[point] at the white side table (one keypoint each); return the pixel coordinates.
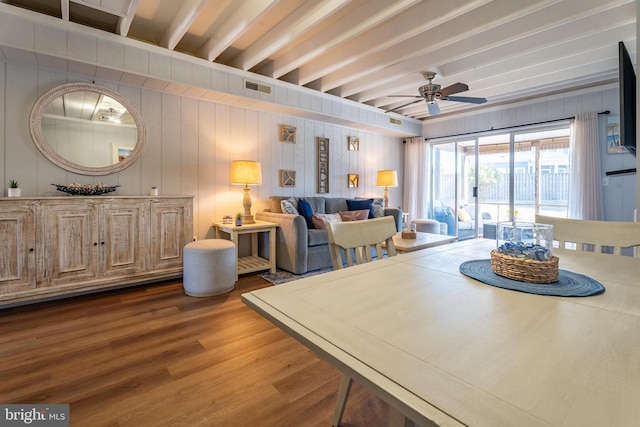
(253, 262)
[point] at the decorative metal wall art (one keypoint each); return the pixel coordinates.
(287, 134)
(353, 180)
(353, 143)
(287, 178)
(323, 165)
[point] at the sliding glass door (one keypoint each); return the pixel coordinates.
(476, 183)
(446, 183)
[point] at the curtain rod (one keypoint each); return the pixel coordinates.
(509, 127)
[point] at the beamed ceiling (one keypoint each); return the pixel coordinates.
(367, 50)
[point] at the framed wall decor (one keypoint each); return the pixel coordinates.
(614, 144)
(353, 180)
(287, 178)
(323, 165)
(288, 134)
(120, 152)
(353, 143)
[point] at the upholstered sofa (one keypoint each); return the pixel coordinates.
(300, 248)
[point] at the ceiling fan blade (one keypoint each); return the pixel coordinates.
(468, 99)
(403, 105)
(404, 96)
(433, 108)
(454, 88)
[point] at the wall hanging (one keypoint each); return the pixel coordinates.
(287, 134)
(353, 179)
(353, 143)
(287, 178)
(323, 165)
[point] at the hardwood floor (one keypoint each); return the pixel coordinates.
(152, 356)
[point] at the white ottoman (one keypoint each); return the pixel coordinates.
(209, 267)
(427, 225)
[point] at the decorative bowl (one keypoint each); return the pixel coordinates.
(75, 189)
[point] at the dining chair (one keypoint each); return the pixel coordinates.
(354, 241)
(594, 235)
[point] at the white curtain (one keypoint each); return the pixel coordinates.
(585, 188)
(416, 178)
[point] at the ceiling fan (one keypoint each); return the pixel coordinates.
(432, 92)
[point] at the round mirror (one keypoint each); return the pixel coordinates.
(87, 129)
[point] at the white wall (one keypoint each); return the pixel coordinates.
(619, 192)
(190, 146)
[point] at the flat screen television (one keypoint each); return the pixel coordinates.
(627, 86)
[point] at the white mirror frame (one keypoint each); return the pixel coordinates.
(35, 125)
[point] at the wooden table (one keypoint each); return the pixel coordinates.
(439, 346)
(422, 241)
(253, 262)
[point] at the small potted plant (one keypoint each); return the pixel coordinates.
(14, 190)
(239, 218)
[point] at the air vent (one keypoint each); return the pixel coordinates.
(249, 85)
(395, 121)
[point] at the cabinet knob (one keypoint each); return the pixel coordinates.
(95, 243)
(102, 243)
(30, 249)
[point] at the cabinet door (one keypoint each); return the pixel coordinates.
(171, 229)
(71, 243)
(122, 238)
(17, 247)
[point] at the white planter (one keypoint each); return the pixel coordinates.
(14, 192)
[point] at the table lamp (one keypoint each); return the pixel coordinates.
(386, 179)
(246, 172)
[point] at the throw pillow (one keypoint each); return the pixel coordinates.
(288, 207)
(463, 215)
(378, 207)
(356, 205)
(306, 211)
(320, 220)
(357, 215)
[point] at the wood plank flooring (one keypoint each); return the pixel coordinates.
(153, 356)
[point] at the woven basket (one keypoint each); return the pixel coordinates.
(408, 233)
(524, 270)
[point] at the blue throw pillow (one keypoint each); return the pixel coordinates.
(306, 211)
(357, 205)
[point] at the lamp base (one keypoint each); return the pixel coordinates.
(247, 218)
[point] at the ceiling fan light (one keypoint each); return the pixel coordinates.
(433, 107)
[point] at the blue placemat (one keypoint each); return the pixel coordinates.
(569, 284)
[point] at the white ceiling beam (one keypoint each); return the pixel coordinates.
(455, 59)
(301, 20)
(124, 23)
(356, 22)
(235, 26)
(403, 26)
(188, 13)
(494, 15)
(64, 8)
(596, 66)
(526, 65)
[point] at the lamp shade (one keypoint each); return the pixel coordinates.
(246, 172)
(387, 178)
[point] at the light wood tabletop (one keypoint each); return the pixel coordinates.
(422, 241)
(441, 347)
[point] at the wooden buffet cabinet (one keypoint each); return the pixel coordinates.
(60, 246)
